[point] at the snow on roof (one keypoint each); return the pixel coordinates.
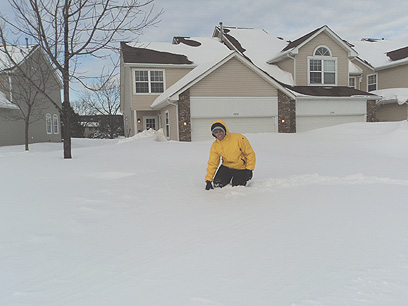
(206, 49)
(5, 103)
(374, 51)
(188, 79)
(392, 95)
(259, 48)
(18, 53)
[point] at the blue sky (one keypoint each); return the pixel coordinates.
(351, 20)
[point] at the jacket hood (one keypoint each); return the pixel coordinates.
(221, 124)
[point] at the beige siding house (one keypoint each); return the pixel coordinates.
(253, 81)
(18, 97)
(384, 65)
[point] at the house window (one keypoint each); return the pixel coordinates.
(48, 123)
(322, 67)
(167, 124)
(55, 123)
(352, 82)
(149, 81)
(371, 82)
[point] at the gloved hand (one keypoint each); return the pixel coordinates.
(208, 185)
(248, 174)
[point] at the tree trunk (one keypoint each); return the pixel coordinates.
(26, 125)
(65, 80)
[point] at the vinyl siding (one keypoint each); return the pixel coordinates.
(362, 83)
(395, 77)
(287, 65)
(307, 50)
(144, 101)
(233, 79)
(392, 112)
(172, 109)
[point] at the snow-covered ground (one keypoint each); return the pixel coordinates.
(128, 222)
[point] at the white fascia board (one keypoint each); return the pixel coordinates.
(154, 66)
(284, 55)
(351, 52)
(338, 98)
(391, 65)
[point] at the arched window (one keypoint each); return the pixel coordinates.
(55, 124)
(322, 51)
(48, 123)
(322, 67)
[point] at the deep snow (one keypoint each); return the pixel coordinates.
(128, 222)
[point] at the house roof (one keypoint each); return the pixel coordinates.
(392, 95)
(143, 55)
(255, 45)
(258, 46)
(330, 91)
(382, 53)
(183, 51)
(18, 53)
(300, 40)
(172, 93)
(292, 47)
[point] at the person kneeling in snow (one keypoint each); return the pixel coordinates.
(238, 158)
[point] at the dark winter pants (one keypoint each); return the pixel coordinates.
(224, 176)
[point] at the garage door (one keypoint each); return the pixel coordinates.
(200, 127)
(240, 114)
(307, 123)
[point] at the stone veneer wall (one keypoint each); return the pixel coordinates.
(184, 121)
(371, 111)
(286, 114)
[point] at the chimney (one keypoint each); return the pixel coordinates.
(221, 32)
(27, 42)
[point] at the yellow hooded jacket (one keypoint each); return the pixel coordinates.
(235, 150)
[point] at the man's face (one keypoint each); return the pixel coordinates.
(219, 134)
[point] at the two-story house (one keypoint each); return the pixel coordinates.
(254, 81)
(384, 71)
(24, 105)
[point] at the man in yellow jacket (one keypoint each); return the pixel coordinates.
(238, 158)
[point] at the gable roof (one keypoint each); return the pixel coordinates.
(293, 47)
(200, 72)
(257, 46)
(18, 54)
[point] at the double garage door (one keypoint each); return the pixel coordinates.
(260, 114)
(240, 114)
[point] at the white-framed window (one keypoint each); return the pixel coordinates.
(149, 81)
(322, 67)
(55, 124)
(371, 82)
(352, 82)
(48, 123)
(149, 122)
(167, 123)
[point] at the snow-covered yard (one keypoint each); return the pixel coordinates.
(128, 222)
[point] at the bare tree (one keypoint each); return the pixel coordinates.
(68, 30)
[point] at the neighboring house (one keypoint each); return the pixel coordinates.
(253, 81)
(102, 126)
(16, 92)
(385, 73)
